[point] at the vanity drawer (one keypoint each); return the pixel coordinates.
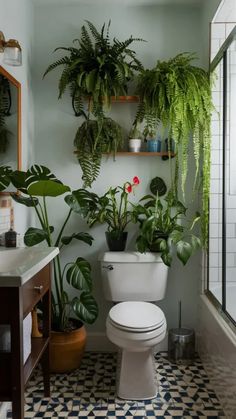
(34, 289)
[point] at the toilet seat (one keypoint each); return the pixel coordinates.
(136, 316)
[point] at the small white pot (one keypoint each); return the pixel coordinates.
(135, 145)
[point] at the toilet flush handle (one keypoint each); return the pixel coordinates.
(108, 267)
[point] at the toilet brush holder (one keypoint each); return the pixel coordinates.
(181, 343)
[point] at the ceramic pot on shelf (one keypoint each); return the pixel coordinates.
(135, 145)
(154, 145)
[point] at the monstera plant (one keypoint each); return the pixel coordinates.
(69, 311)
(37, 185)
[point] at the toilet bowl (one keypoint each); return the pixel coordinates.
(134, 323)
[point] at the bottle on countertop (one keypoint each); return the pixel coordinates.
(10, 238)
(10, 235)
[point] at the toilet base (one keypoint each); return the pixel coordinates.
(136, 376)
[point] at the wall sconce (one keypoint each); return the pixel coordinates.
(11, 50)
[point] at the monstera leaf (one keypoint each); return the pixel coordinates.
(85, 308)
(27, 201)
(40, 181)
(35, 236)
(158, 186)
(84, 237)
(79, 275)
(5, 179)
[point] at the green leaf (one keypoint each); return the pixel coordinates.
(5, 172)
(84, 237)
(184, 251)
(85, 308)
(28, 202)
(34, 236)
(167, 258)
(79, 275)
(158, 186)
(81, 201)
(47, 188)
(18, 179)
(196, 242)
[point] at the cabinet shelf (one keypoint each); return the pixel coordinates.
(38, 346)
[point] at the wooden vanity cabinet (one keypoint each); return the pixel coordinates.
(15, 303)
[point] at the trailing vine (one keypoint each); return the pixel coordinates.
(178, 95)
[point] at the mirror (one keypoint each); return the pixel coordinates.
(10, 121)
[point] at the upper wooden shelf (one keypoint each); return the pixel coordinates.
(140, 153)
(125, 99)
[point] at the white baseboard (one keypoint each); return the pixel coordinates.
(99, 342)
(4, 407)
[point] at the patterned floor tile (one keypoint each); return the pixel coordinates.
(184, 393)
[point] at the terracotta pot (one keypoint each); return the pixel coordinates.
(67, 349)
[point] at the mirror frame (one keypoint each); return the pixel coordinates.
(17, 84)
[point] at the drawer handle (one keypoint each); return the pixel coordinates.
(39, 289)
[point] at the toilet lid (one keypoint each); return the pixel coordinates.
(136, 315)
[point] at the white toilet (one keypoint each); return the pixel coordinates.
(135, 325)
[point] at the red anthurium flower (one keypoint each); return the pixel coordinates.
(136, 180)
(129, 188)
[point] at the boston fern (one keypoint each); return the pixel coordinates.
(98, 68)
(93, 138)
(178, 95)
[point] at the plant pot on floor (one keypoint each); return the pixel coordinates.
(116, 240)
(67, 350)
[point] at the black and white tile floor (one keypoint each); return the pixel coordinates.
(184, 393)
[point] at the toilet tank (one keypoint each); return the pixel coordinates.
(133, 276)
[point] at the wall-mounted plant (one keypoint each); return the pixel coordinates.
(98, 68)
(5, 105)
(94, 69)
(178, 94)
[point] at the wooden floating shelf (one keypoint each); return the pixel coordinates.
(122, 99)
(140, 153)
(125, 99)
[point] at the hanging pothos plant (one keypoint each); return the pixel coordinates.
(97, 68)
(178, 95)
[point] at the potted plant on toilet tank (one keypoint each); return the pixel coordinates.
(162, 225)
(114, 210)
(69, 310)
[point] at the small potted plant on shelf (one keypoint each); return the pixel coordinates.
(69, 313)
(135, 139)
(161, 229)
(114, 212)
